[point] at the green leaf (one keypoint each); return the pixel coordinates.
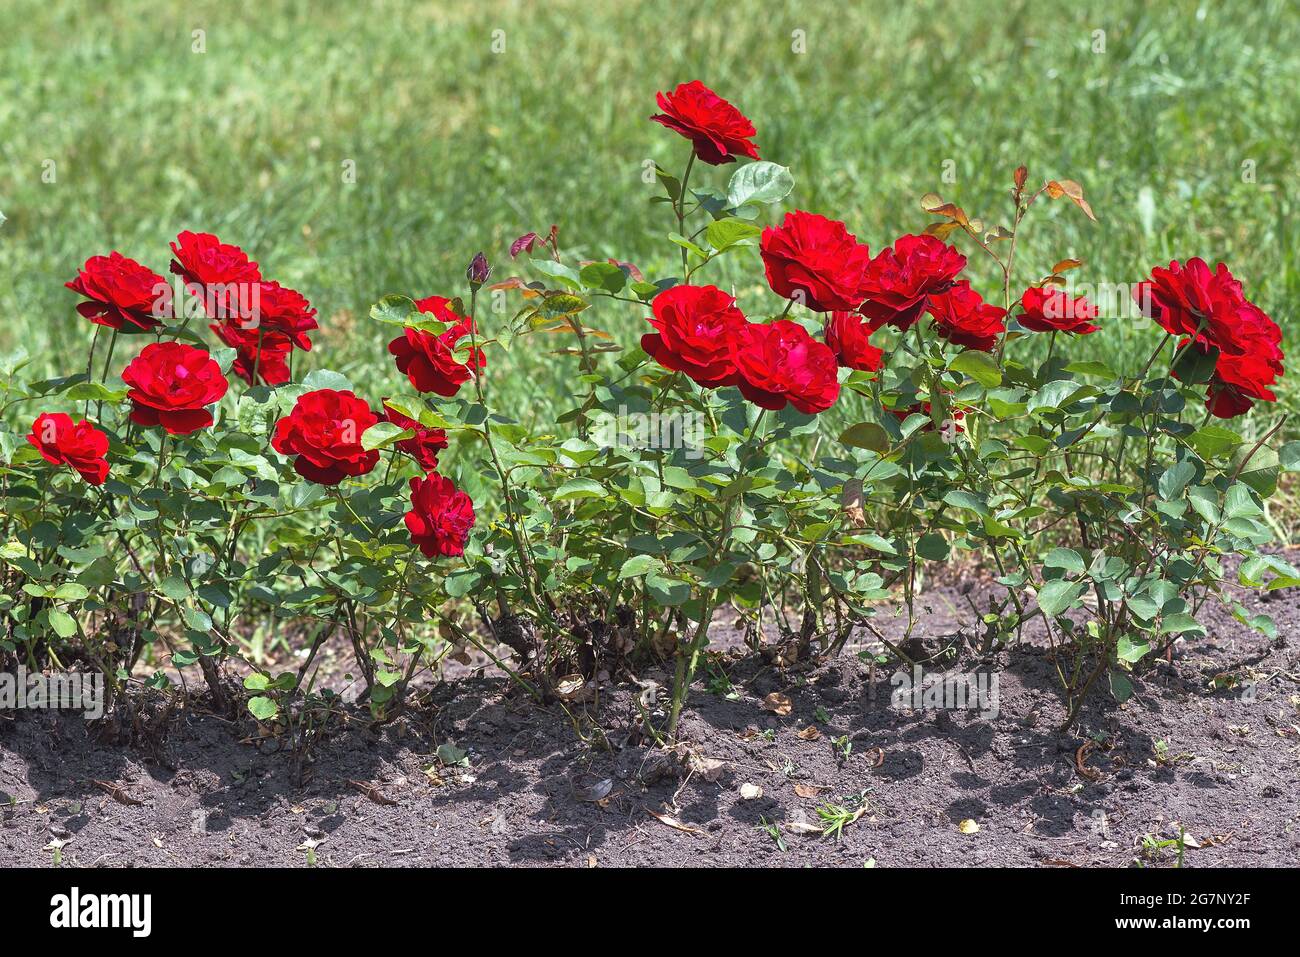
(604, 276)
(1058, 595)
(933, 547)
(638, 565)
(1213, 441)
(263, 708)
(393, 310)
(725, 233)
(980, 366)
(579, 488)
(1127, 649)
(326, 379)
(1175, 479)
(382, 434)
(1056, 395)
(959, 498)
(866, 435)
(1065, 558)
(64, 625)
(760, 182)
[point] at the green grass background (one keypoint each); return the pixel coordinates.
(457, 147)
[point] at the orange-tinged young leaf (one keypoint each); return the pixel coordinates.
(1069, 188)
(1021, 175)
(1066, 264)
(941, 230)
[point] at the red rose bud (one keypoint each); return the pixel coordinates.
(717, 130)
(121, 294)
(904, 276)
(1050, 310)
(780, 363)
(815, 261)
(963, 318)
(172, 385)
(478, 271)
(424, 446)
(429, 360)
(80, 445)
(849, 337)
(323, 433)
(696, 326)
(440, 517)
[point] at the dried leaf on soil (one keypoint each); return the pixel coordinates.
(118, 793)
(673, 822)
(372, 791)
(778, 703)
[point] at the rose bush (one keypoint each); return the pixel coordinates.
(693, 481)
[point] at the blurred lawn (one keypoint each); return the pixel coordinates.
(458, 148)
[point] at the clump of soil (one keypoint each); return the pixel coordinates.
(475, 774)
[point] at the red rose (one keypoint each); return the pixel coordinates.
(429, 360)
(901, 279)
(1239, 381)
(696, 325)
(440, 518)
(424, 446)
(121, 293)
(962, 317)
(79, 445)
(272, 367)
(324, 432)
(850, 339)
(718, 130)
(1189, 300)
(172, 385)
(1051, 310)
(779, 363)
(204, 260)
(283, 311)
(815, 261)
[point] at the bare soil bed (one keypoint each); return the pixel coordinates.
(586, 788)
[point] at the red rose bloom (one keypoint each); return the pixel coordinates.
(80, 446)
(815, 261)
(440, 518)
(424, 446)
(850, 339)
(172, 385)
(204, 260)
(272, 367)
(429, 360)
(901, 279)
(1051, 310)
(1239, 381)
(962, 317)
(696, 325)
(780, 363)
(324, 432)
(1189, 300)
(282, 311)
(121, 293)
(718, 130)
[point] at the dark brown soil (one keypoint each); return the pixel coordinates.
(583, 788)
